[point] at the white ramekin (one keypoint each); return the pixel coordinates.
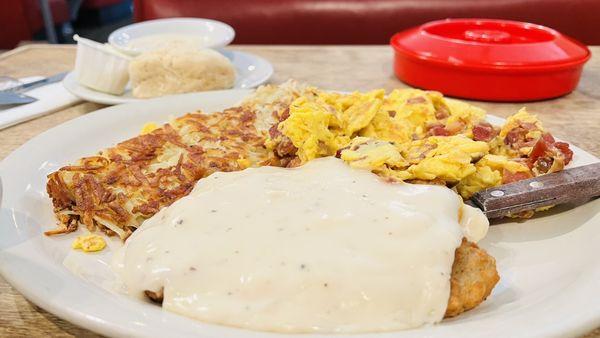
(101, 67)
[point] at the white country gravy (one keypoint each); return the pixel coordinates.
(319, 248)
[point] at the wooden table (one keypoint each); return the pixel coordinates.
(575, 117)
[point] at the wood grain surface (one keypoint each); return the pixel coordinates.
(575, 117)
(566, 186)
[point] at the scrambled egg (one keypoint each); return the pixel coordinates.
(89, 243)
(449, 157)
(409, 134)
(403, 115)
(367, 153)
(488, 173)
(518, 120)
(522, 116)
(148, 128)
(320, 124)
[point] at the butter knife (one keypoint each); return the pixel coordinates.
(15, 96)
(10, 98)
(570, 185)
(39, 83)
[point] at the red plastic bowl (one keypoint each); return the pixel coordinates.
(493, 60)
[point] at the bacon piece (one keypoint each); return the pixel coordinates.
(438, 131)
(528, 126)
(545, 152)
(563, 147)
(543, 164)
(441, 112)
(484, 131)
(515, 137)
(509, 177)
(416, 100)
(285, 147)
(548, 138)
(540, 148)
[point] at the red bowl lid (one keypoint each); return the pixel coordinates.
(490, 44)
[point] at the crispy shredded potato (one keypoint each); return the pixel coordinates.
(116, 190)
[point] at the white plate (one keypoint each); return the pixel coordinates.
(549, 265)
(210, 33)
(251, 71)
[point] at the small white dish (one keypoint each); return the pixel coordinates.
(251, 71)
(95, 61)
(208, 33)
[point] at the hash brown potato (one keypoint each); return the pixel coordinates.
(120, 187)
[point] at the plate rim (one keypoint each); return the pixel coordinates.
(91, 322)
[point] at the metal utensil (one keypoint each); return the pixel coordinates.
(39, 83)
(14, 95)
(7, 82)
(9, 98)
(570, 185)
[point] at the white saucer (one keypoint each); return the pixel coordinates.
(251, 71)
(209, 33)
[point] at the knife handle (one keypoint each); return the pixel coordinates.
(565, 186)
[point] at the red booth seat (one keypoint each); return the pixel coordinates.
(23, 18)
(368, 21)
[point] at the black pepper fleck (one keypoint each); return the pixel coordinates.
(302, 266)
(192, 268)
(180, 221)
(213, 211)
(325, 285)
